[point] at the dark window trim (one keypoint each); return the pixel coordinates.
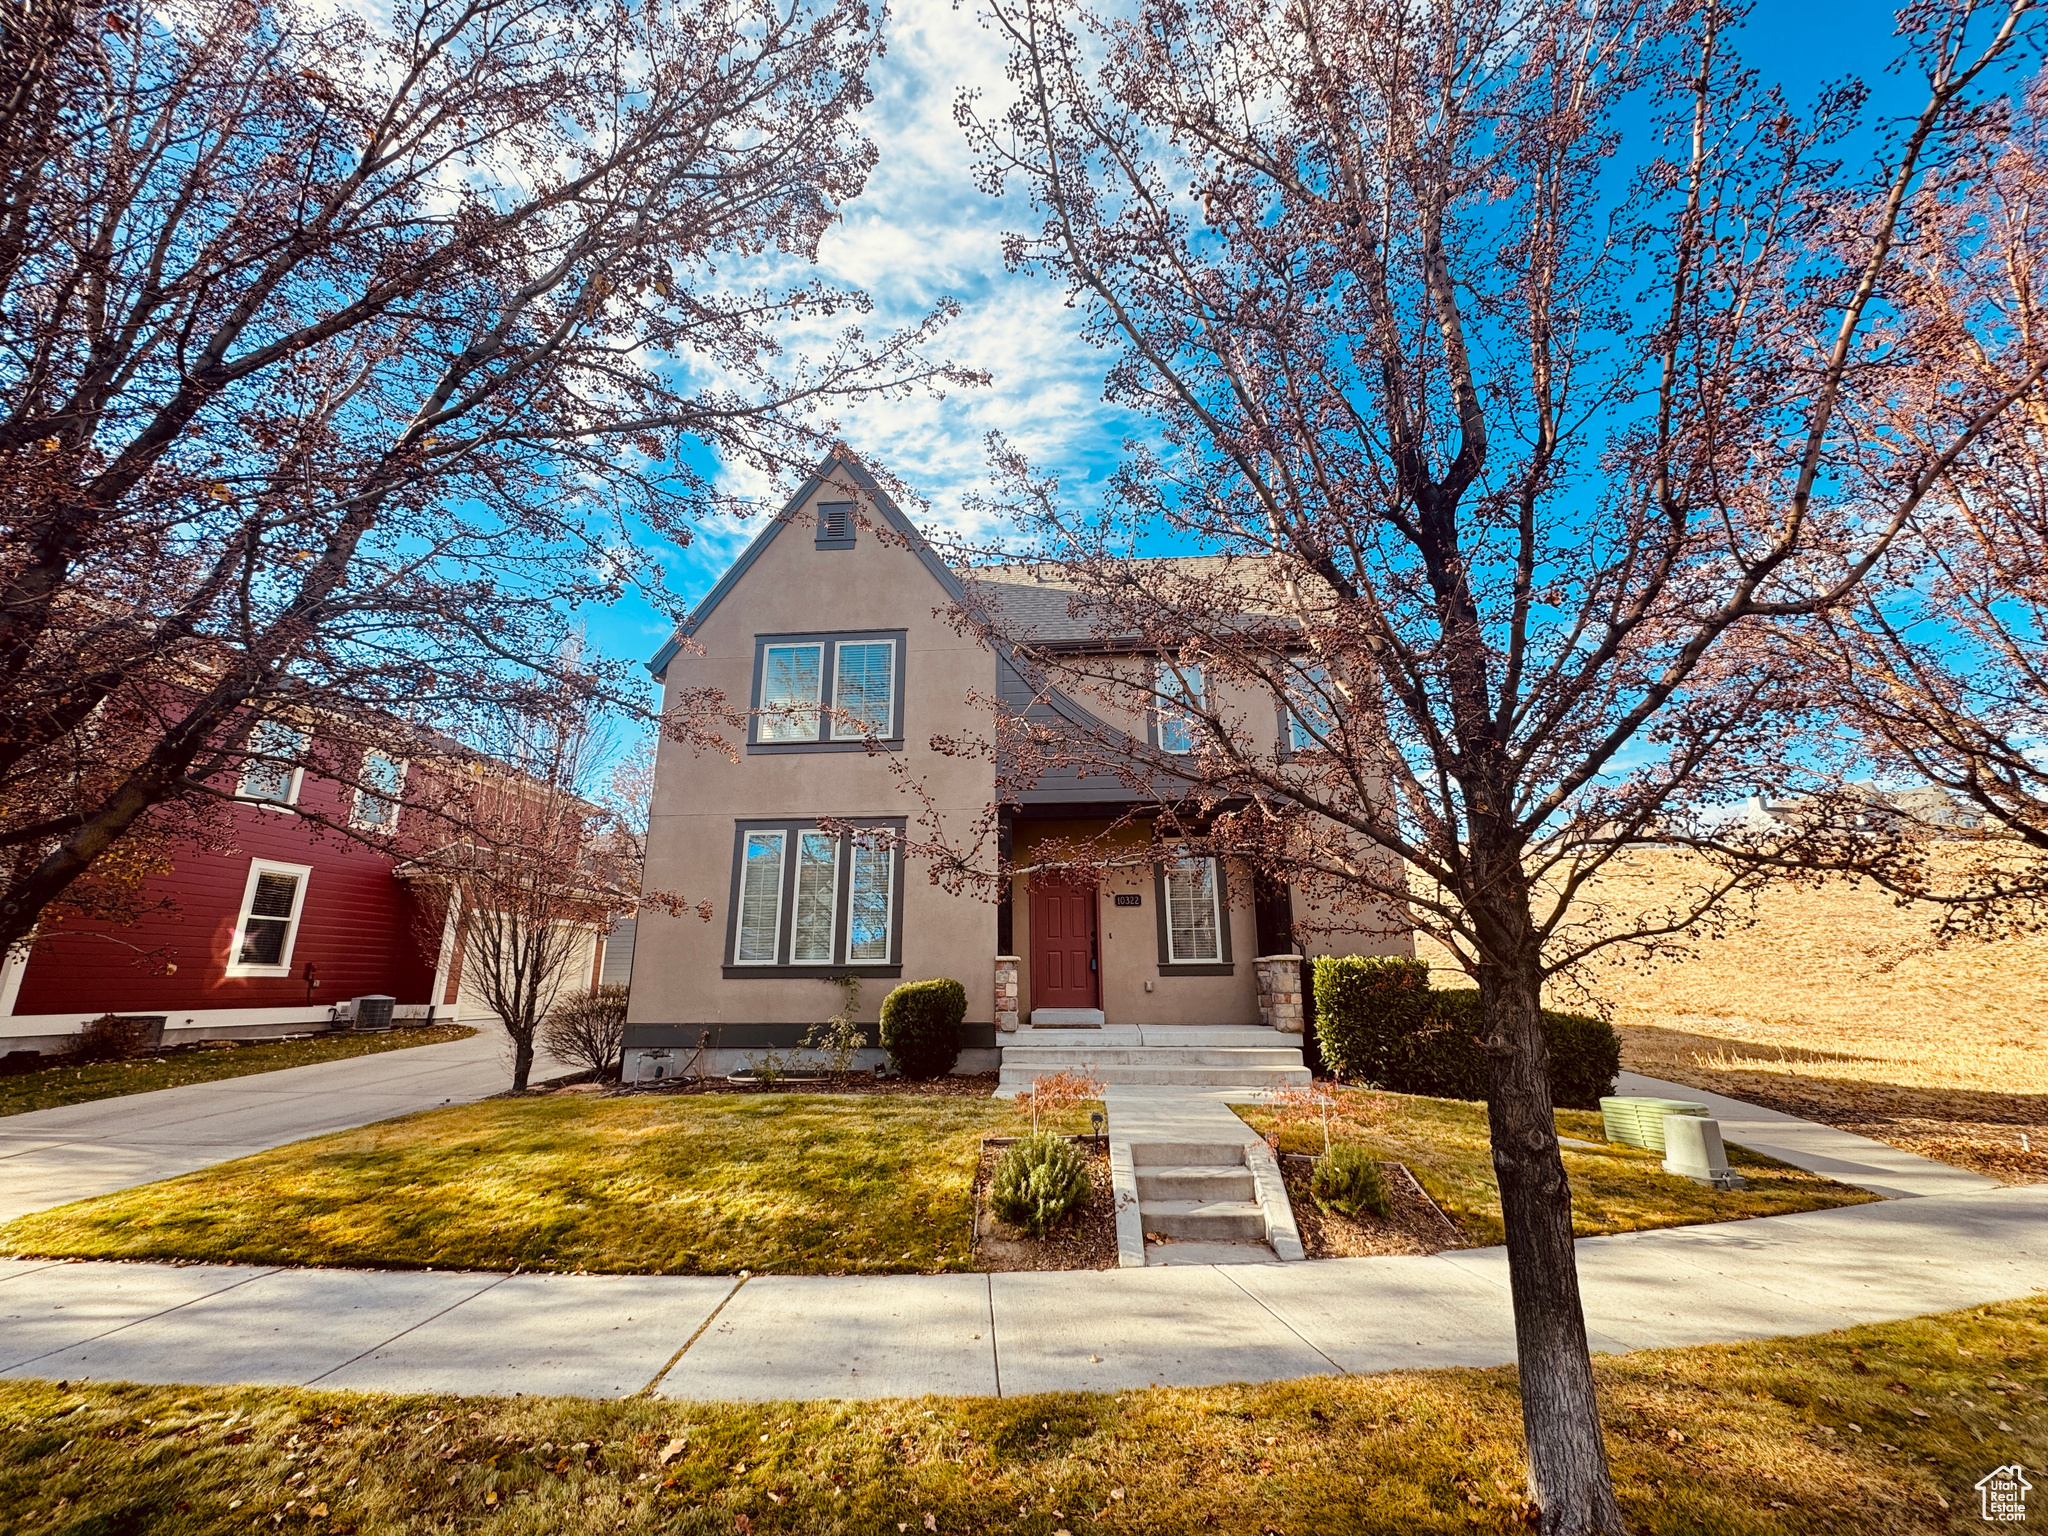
(843, 541)
(828, 670)
(790, 826)
(1223, 967)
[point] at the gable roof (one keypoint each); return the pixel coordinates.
(843, 459)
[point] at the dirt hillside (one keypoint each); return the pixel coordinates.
(1836, 1003)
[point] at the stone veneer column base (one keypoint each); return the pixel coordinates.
(1006, 993)
(1279, 992)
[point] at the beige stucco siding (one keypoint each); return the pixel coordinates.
(793, 587)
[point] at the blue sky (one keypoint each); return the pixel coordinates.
(922, 231)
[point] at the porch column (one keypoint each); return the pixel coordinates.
(1006, 992)
(1280, 992)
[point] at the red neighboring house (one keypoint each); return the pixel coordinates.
(267, 940)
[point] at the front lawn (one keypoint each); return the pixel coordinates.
(1614, 1188)
(48, 1087)
(696, 1184)
(1883, 1431)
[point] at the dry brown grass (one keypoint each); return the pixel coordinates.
(1835, 1003)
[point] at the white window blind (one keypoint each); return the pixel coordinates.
(274, 750)
(790, 676)
(863, 688)
(1193, 924)
(867, 929)
(267, 925)
(817, 898)
(760, 915)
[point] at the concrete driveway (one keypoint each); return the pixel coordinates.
(54, 1156)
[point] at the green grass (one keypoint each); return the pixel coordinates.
(703, 1184)
(1615, 1189)
(1782, 1437)
(48, 1087)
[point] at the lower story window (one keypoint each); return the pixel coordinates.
(268, 925)
(807, 897)
(1194, 926)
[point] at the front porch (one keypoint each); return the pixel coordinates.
(1253, 1058)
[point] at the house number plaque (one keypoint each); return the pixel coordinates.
(1129, 901)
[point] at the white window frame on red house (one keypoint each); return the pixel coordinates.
(258, 868)
(366, 796)
(302, 739)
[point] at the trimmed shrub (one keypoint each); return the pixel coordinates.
(921, 1026)
(589, 1030)
(114, 1037)
(1348, 1182)
(1585, 1055)
(1363, 1007)
(1037, 1181)
(1381, 1023)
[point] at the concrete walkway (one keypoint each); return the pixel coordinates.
(54, 1156)
(1842, 1155)
(782, 1337)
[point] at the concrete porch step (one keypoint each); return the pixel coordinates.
(1216, 1221)
(1167, 1255)
(1034, 1055)
(1201, 1182)
(1258, 1079)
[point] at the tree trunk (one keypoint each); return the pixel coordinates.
(522, 1061)
(1560, 1416)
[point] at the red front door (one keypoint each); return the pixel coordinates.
(1062, 944)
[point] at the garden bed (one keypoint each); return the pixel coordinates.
(1444, 1142)
(1084, 1239)
(967, 1085)
(1415, 1225)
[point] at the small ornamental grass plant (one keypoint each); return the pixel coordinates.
(1348, 1182)
(1037, 1181)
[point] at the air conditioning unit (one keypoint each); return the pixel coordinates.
(1639, 1121)
(372, 1012)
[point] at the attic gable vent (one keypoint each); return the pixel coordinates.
(835, 525)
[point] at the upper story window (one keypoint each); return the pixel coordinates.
(268, 925)
(272, 771)
(383, 780)
(835, 525)
(1310, 717)
(810, 901)
(1181, 690)
(825, 693)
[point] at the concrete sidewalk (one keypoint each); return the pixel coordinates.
(1007, 1334)
(1842, 1155)
(54, 1156)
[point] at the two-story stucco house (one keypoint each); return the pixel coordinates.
(831, 637)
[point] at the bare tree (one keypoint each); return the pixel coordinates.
(1502, 455)
(1942, 664)
(341, 361)
(532, 882)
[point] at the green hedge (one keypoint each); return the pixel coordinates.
(921, 1026)
(1379, 1021)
